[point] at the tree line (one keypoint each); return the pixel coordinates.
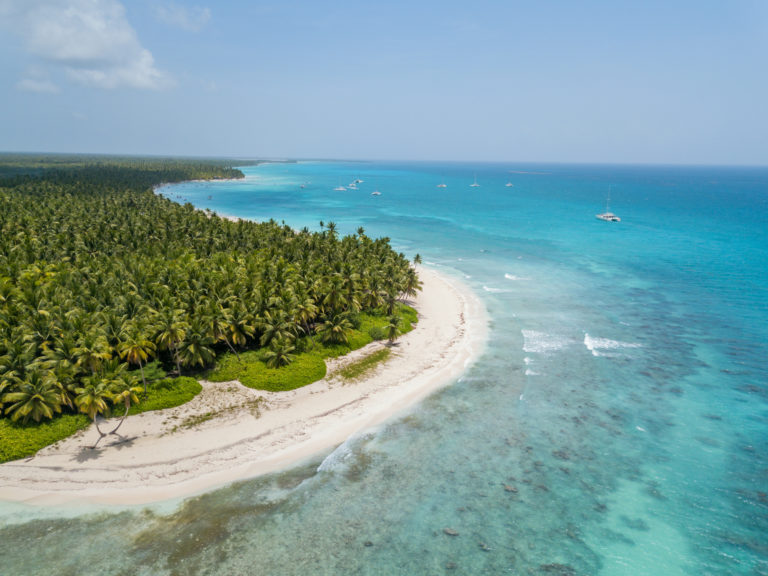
(100, 276)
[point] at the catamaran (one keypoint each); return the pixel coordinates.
(475, 184)
(608, 216)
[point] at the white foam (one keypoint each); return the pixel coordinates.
(603, 346)
(335, 459)
(529, 372)
(494, 290)
(527, 360)
(513, 277)
(543, 343)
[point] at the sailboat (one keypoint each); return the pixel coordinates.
(509, 184)
(475, 184)
(608, 216)
(442, 184)
(339, 188)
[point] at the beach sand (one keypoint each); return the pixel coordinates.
(230, 432)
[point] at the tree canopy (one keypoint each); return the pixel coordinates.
(100, 276)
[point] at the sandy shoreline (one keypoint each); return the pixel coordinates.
(177, 452)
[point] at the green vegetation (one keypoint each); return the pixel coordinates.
(252, 368)
(22, 440)
(102, 281)
(166, 393)
(362, 367)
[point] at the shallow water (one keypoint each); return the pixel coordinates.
(616, 424)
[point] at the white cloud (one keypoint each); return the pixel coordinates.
(41, 85)
(91, 40)
(192, 18)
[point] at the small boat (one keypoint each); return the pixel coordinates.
(339, 189)
(608, 216)
(358, 181)
(352, 186)
(475, 184)
(442, 185)
(375, 193)
(509, 184)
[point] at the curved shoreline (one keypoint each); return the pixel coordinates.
(177, 452)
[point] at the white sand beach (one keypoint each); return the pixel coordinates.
(220, 437)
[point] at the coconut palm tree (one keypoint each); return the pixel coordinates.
(196, 348)
(171, 329)
(123, 389)
(393, 328)
(92, 400)
(279, 353)
(334, 330)
(136, 348)
(35, 398)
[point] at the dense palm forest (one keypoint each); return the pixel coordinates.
(99, 276)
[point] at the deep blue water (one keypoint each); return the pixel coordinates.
(622, 400)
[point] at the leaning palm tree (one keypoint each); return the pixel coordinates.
(92, 399)
(136, 348)
(35, 398)
(124, 390)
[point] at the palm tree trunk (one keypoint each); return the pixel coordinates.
(141, 369)
(232, 348)
(127, 407)
(176, 357)
(101, 434)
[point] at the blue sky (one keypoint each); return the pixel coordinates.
(549, 81)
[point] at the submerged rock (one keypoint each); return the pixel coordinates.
(450, 532)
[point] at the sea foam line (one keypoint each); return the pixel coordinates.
(598, 346)
(543, 343)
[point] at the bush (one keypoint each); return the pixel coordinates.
(377, 333)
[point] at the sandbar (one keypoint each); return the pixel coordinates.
(230, 432)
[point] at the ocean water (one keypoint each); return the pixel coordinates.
(617, 423)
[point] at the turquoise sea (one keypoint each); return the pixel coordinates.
(617, 423)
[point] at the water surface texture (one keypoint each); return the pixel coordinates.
(616, 424)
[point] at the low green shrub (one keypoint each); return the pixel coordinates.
(251, 370)
(377, 333)
(21, 440)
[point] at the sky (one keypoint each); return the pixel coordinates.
(589, 81)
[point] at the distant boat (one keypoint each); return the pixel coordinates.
(339, 188)
(509, 184)
(608, 216)
(358, 181)
(475, 184)
(352, 186)
(442, 186)
(375, 193)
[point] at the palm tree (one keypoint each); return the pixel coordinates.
(92, 351)
(92, 399)
(196, 348)
(123, 390)
(137, 349)
(37, 397)
(393, 328)
(334, 330)
(171, 330)
(275, 323)
(279, 353)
